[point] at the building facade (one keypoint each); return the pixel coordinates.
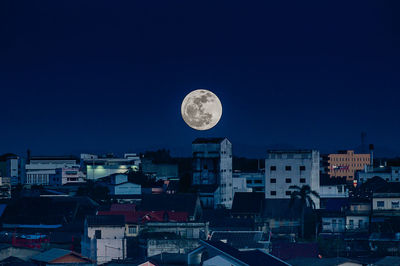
(288, 168)
(104, 238)
(96, 167)
(387, 173)
(254, 181)
(212, 166)
(40, 169)
(346, 163)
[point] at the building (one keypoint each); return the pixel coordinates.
(13, 167)
(96, 167)
(104, 238)
(39, 169)
(160, 171)
(118, 185)
(288, 168)
(358, 215)
(254, 181)
(67, 175)
(346, 163)
(387, 173)
(212, 166)
(220, 253)
(240, 184)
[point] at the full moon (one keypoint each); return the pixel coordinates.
(201, 109)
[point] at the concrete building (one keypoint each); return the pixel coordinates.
(254, 181)
(96, 167)
(387, 173)
(104, 238)
(240, 184)
(118, 185)
(291, 167)
(67, 175)
(40, 169)
(160, 171)
(346, 163)
(212, 166)
(12, 166)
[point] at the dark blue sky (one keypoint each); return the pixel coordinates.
(110, 75)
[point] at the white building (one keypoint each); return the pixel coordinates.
(240, 184)
(212, 166)
(118, 185)
(97, 167)
(254, 181)
(67, 175)
(288, 168)
(104, 238)
(39, 169)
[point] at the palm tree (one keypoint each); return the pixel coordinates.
(303, 194)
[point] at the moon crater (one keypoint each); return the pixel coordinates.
(201, 109)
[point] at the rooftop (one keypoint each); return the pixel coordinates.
(106, 220)
(208, 140)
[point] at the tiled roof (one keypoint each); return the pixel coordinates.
(55, 253)
(150, 216)
(169, 202)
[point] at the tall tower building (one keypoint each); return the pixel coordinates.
(212, 171)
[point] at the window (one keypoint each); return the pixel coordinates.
(395, 204)
(132, 230)
(288, 193)
(302, 168)
(273, 168)
(273, 193)
(360, 223)
(97, 234)
(257, 182)
(288, 168)
(248, 181)
(273, 180)
(302, 180)
(288, 180)
(380, 204)
(340, 189)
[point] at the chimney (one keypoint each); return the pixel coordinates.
(371, 150)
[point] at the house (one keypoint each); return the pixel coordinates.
(255, 181)
(280, 218)
(189, 203)
(247, 204)
(104, 238)
(223, 220)
(358, 215)
(61, 256)
(118, 185)
(219, 253)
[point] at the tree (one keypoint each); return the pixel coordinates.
(303, 194)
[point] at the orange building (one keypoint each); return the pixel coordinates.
(346, 163)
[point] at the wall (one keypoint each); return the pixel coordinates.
(333, 191)
(333, 224)
(389, 203)
(158, 246)
(295, 160)
(356, 222)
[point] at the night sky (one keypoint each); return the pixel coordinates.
(102, 76)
